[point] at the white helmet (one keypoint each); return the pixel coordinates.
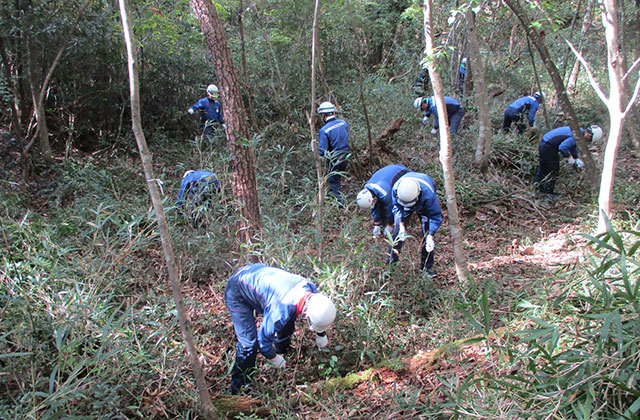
(213, 90)
(538, 95)
(326, 108)
(418, 103)
(320, 312)
(187, 173)
(408, 192)
(365, 199)
(596, 132)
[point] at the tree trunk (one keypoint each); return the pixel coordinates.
(573, 76)
(590, 167)
(445, 152)
(616, 110)
(15, 107)
(147, 165)
(483, 145)
(245, 78)
(37, 96)
(244, 182)
(361, 42)
(314, 140)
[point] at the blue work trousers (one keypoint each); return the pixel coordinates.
(426, 258)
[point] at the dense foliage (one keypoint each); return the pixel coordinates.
(87, 324)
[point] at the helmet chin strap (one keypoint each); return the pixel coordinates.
(302, 303)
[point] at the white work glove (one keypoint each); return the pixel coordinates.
(429, 244)
(224, 126)
(434, 131)
(190, 111)
(579, 163)
(278, 362)
(402, 233)
(376, 231)
(571, 160)
(322, 341)
(425, 120)
(388, 230)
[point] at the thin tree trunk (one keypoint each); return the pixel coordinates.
(573, 76)
(445, 153)
(536, 76)
(38, 91)
(483, 144)
(314, 140)
(359, 32)
(42, 131)
(615, 61)
(591, 170)
(244, 181)
(245, 78)
(15, 107)
(147, 165)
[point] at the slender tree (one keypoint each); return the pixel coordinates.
(446, 157)
(244, 181)
(147, 164)
(615, 105)
(558, 84)
(311, 120)
(483, 144)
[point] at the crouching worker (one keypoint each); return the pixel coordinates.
(416, 193)
(376, 197)
(197, 189)
(280, 297)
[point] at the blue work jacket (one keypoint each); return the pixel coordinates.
(562, 139)
(529, 103)
(333, 136)
(426, 206)
(452, 105)
(195, 184)
(210, 110)
(274, 293)
(380, 185)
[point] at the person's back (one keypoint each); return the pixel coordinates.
(333, 136)
(380, 185)
(261, 285)
(197, 187)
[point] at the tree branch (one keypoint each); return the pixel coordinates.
(593, 81)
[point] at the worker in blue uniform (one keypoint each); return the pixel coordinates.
(197, 188)
(210, 111)
(333, 146)
(416, 193)
(376, 197)
(559, 140)
(281, 297)
(455, 112)
(462, 75)
(522, 111)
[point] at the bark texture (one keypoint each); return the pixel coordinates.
(244, 183)
(446, 155)
(147, 164)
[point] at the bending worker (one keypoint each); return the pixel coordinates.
(559, 140)
(376, 196)
(455, 112)
(516, 112)
(280, 297)
(416, 193)
(198, 187)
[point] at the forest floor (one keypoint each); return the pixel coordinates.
(518, 241)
